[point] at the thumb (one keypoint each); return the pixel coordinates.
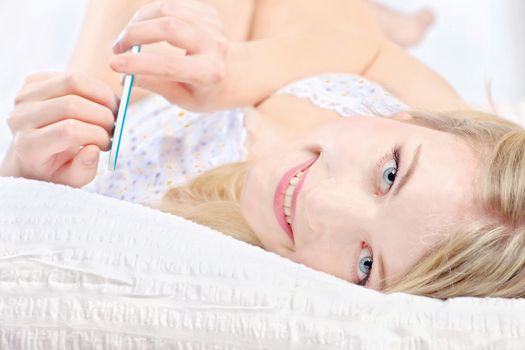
(80, 170)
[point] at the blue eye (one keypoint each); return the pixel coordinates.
(388, 176)
(364, 267)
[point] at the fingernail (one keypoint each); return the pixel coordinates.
(117, 62)
(116, 44)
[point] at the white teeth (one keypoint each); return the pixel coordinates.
(288, 196)
(289, 191)
(288, 201)
(294, 181)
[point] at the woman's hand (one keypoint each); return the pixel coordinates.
(192, 71)
(60, 124)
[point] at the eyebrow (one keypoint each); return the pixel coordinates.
(408, 174)
(402, 182)
(381, 273)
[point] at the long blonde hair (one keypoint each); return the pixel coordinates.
(480, 259)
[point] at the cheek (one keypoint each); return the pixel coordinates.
(337, 208)
(329, 254)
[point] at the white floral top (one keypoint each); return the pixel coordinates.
(165, 146)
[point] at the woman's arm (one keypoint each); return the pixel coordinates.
(412, 81)
(211, 73)
(260, 67)
(204, 71)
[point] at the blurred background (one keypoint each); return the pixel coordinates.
(473, 44)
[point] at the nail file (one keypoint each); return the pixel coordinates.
(121, 116)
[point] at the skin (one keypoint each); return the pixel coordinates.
(62, 121)
(345, 201)
(242, 21)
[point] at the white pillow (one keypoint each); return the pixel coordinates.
(83, 271)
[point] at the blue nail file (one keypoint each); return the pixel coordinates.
(121, 117)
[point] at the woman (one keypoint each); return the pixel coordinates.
(426, 203)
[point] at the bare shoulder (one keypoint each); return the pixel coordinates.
(412, 81)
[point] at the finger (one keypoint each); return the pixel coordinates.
(37, 77)
(162, 48)
(178, 94)
(37, 146)
(185, 69)
(172, 30)
(183, 19)
(69, 84)
(58, 160)
(37, 115)
(80, 170)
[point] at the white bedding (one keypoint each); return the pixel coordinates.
(82, 271)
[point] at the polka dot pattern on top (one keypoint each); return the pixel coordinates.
(165, 146)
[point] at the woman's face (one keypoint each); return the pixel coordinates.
(373, 188)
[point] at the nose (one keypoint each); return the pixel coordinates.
(332, 206)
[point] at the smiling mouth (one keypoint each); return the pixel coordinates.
(286, 195)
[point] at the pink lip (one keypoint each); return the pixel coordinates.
(278, 201)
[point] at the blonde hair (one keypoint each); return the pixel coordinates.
(480, 259)
(212, 199)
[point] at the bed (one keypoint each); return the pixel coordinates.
(83, 271)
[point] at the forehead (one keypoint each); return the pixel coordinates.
(438, 198)
(445, 180)
(445, 157)
(445, 177)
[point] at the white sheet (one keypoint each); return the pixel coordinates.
(82, 271)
